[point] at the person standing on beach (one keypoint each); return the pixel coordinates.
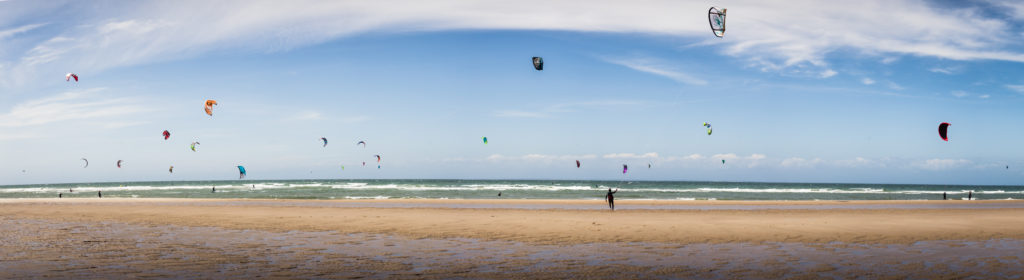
(611, 198)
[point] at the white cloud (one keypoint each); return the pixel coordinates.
(1017, 88)
(945, 70)
(797, 162)
(940, 164)
(828, 73)
(890, 60)
(630, 156)
(895, 86)
(801, 32)
(984, 96)
(960, 93)
(725, 156)
(652, 67)
(69, 106)
(867, 81)
(540, 157)
(4, 34)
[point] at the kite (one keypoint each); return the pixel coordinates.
(378, 158)
(167, 134)
(171, 170)
(193, 146)
(624, 169)
(708, 125)
(241, 172)
(648, 165)
(942, 131)
(364, 164)
(538, 63)
(343, 167)
(69, 76)
(119, 163)
(209, 106)
(577, 163)
(361, 142)
(717, 20)
(86, 163)
(485, 139)
(325, 140)
(723, 161)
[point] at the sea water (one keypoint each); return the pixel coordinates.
(511, 189)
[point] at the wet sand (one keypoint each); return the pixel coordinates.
(104, 238)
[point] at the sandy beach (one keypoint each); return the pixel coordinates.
(74, 238)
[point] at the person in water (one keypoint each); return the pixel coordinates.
(213, 190)
(99, 193)
(60, 195)
(611, 198)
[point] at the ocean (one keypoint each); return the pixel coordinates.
(510, 189)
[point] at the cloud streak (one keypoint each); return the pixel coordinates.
(652, 67)
(764, 32)
(69, 106)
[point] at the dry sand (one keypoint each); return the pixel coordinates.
(441, 240)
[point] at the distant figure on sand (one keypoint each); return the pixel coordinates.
(611, 198)
(99, 193)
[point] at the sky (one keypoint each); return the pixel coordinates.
(796, 91)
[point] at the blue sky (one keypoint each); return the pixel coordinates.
(796, 91)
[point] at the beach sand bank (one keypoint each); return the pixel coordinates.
(504, 239)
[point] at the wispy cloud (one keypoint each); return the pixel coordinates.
(773, 35)
(801, 162)
(630, 156)
(540, 157)
(69, 106)
(940, 164)
(867, 81)
(828, 73)
(945, 70)
(4, 34)
(653, 67)
(960, 94)
(1017, 88)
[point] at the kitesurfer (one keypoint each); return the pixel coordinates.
(969, 195)
(499, 194)
(611, 198)
(943, 195)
